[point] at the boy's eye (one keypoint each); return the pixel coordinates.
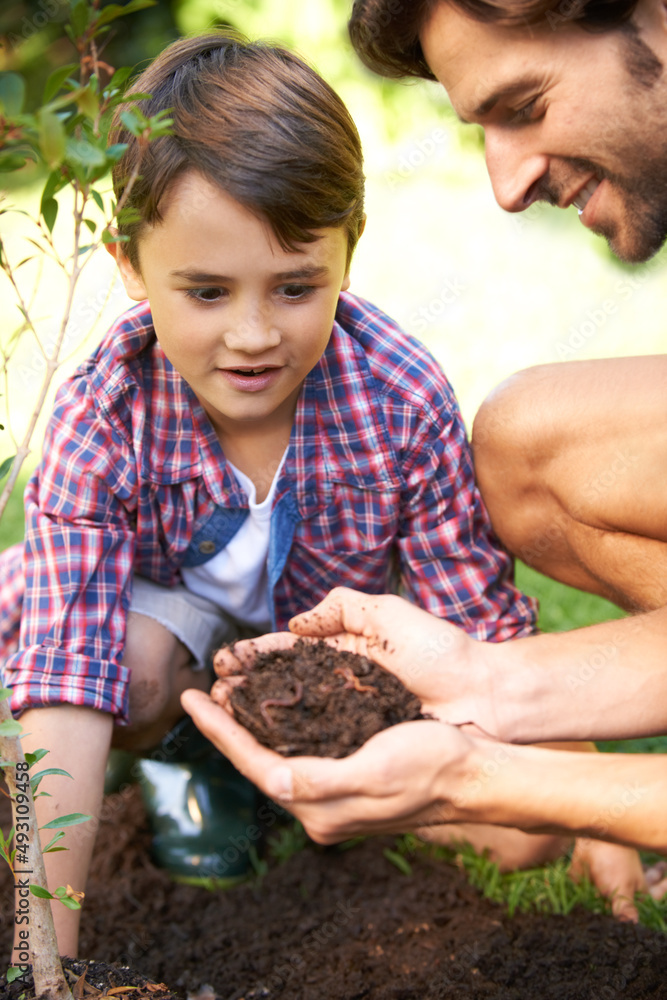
(296, 291)
(205, 294)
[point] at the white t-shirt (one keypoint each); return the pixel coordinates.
(236, 579)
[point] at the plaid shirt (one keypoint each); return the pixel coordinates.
(377, 484)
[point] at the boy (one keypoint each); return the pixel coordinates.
(246, 438)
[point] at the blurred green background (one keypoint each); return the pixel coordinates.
(488, 292)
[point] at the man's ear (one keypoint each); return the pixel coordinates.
(134, 283)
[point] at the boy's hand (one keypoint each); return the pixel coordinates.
(616, 872)
(448, 671)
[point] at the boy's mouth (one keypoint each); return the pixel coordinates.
(251, 377)
(250, 372)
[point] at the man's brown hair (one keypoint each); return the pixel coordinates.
(256, 121)
(385, 33)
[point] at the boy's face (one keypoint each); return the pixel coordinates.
(242, 320)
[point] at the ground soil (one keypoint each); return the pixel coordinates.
(312, 699)
(342, 925)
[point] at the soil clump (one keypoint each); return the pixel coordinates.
(316, 700)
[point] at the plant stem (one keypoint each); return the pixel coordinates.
(52, 361)
(48, 976)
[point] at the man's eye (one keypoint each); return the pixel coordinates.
(524, 114)
(296, 291)
(205, 294)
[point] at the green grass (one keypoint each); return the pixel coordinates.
(548, 889)
(563, 608)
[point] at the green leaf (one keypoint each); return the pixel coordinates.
(114, 10)
(54, 840)
(97, 198)
(129, 215)
(51, 138)
(115, 151)
(132, 122)
(12, 94)
(71, 819)
(50, 213)
(11, 161)
(35, 756)
(71, 904)
(54, 183)
(13, 973)
(92, 226)
(80, 17)
(85, 154)
(56, 81)
(137, 96)
(119, 78)
(36, 778)
(10, 727)
(37, 890)
(5, 693)
(87, 102)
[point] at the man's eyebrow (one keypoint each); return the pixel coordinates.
(504, 91)
(308, 273)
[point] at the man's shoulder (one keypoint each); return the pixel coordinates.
(398, 362)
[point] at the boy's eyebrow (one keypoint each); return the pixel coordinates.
(205, 278)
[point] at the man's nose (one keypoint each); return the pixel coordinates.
(514, 168)
(252, 331)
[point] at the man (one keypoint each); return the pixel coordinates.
(573, 101)
(571, 97)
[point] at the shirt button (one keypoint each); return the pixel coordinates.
(206, 548)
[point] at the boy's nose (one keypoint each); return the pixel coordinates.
(252, 332)
(513, 168)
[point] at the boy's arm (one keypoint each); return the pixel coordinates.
(78, 741)
(77, 565)
(451, 563)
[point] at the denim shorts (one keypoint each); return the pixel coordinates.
(197, 622)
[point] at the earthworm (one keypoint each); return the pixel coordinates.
(352, 681)
(285, 702)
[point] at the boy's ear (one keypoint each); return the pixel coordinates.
(134, 283)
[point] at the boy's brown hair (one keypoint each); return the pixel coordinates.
(258, 122)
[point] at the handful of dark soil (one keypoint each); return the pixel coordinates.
(316, 700)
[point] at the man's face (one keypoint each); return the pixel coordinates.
(242, 320)
(565, 119)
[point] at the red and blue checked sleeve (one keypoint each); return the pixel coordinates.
(451, 563)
